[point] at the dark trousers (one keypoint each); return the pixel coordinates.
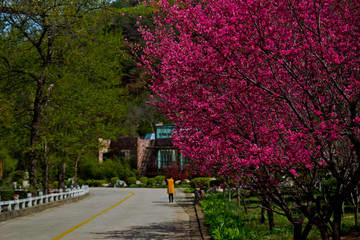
(171, 197)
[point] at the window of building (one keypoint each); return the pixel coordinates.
(164, 131)
(165, 157)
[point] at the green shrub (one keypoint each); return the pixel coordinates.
(189, 190)
(6, 193)
(19, 182)
(200, 182)
(114, 179)
(89, 182)
(101, 182)
(151, 181)
(95, 183)
(81, 182)
(110, 168)
(67, 183)
(144, 180)
(55, 184)
(131, 180)
(223, 220)
(159, 179)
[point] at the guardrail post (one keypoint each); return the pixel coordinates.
(51, 195)
(22, 204)
(9, 207)
(17, 204)
(41, 195)
(29, 195)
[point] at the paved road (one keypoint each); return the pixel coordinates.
(108, 213)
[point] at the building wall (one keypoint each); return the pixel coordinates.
(142, 145)
(105, 144)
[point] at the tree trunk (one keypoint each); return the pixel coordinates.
(46, 163)
(270, 217)
(298, 231)
(33, 168)
(324, 232)
(77, 166)
(356, 203)
(1, 169)
(356, 214)
(262, 219)
(75, 174)
(270, 214)
(307, 230)
(336, 224)
(46, 184)
(62, 176)
(244, 203)
(35, 130)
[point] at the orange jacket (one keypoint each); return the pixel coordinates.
(170, 186)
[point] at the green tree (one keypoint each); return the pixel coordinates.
(40, 33)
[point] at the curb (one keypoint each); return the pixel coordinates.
(204, 230)
(4, 216)
(198, 228)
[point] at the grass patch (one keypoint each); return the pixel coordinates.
(228, 221)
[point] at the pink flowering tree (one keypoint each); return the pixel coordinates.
(265, 89)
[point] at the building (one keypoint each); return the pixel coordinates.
(162, 154)
(105, 144)
(152, 155)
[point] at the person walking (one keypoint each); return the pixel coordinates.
(171, 189)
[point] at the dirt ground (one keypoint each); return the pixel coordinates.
(353, 236)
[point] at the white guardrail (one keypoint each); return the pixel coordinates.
(42, 199)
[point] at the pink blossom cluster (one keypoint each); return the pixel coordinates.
(254, 83)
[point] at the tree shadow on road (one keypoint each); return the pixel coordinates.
(178, 230)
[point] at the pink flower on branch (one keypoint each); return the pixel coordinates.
(259, 87)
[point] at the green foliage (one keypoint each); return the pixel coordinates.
(9, 165)
(95, 183)
(20, 181)
(226, 220)
(224, 223)
(151, 181)
(81, 182)
(189, 190)
(6, 192)
(107, 170)
(200, 182)
(159, 179)
(89, 182)
(98, 183)
(329, 185)
(56, 184)
(131, 180)
(144, 180)
(114, 179)
(91, 87)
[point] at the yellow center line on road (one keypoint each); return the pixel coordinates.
(83, 223)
